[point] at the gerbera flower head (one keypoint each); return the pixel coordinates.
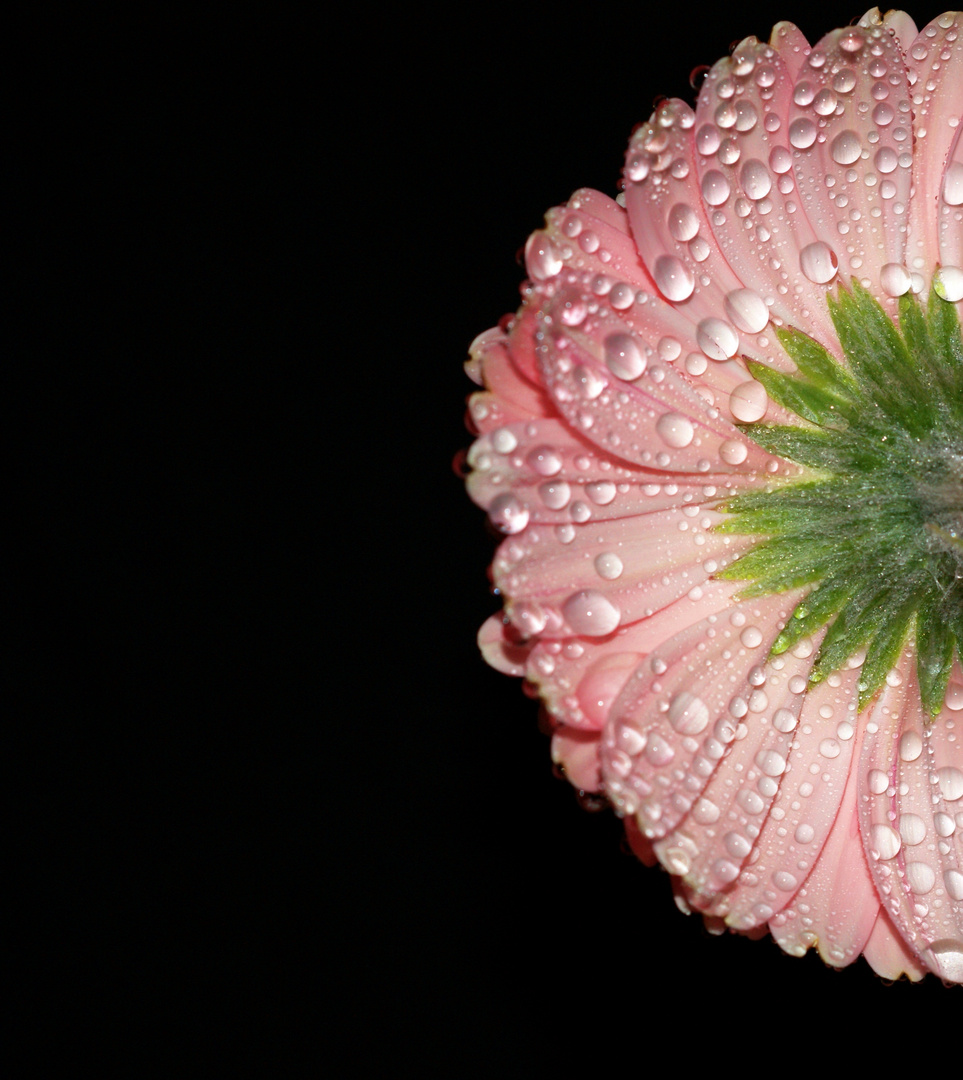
(724, 438)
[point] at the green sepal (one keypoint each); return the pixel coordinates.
(878, 357)
(935, 643)
(812, 403)
(857, 623)
(817, 365)
(886, 647)
(803, 445)
(825, 601)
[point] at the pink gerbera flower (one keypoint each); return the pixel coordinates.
(724, 437)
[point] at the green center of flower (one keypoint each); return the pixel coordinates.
(875, 524)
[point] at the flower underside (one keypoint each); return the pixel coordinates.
(875, 524)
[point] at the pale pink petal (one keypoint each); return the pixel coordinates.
(848, 125)
(911, 819)
(579, 678)
(577, 753)
(563, 478)
(836, 908)
(673, 722)
(658, 421)
(588, 582)
(887, 953)
(935, 62)
(760, 225)
(719, 838)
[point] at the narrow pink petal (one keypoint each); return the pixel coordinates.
(578, 755)
(935, 62)
(500, 646)
(590, 580)
(759, 224)
(561, 477)
(887, 953)
(579, 679)
(658, 421)
(792, 46)
(673, 722)
(717, 840)
(805, 808)
(911, 819)
(849, 127)
(837, 906)
(491, 365)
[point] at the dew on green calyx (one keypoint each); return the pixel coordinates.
(873, 527)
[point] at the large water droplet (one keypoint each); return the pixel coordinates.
(608, 565)
(748, 402)
(818, 262)
(953, 184)
(717, 339)
(846, 148)
(755, 179)
(623, 357)
(590, 613)
(675, 429)
(747, 310)
(683, 222)
(507, 514)
(541, 259)
(802, 133)
(674, 279)
(948, 283)
(885, 840)
(715, 188)
(688, 714)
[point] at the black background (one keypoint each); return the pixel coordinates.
(272, 794)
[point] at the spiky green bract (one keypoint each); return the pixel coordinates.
(875, 526)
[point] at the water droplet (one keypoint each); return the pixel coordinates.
(601, 492)
(895, 279)
(544, 460)
(948, 955)
(748, 402)
(608, 565)
(623, 357)
(751, 637)
(771, 762)
(715, 188)
(717, 339)
(948, 283)
(886, 841)
(675, 429)
(802, 133)
(951, 783)
(591, 613)
(910, 746)
(673, 278)
(683, 222)
(953, 184)
(846, 148)
(707, 140)
(755, 179)
(737, 845)
(733, 452)
(747, 310)
(921, 877)
(503, 441)
(818, 262)
(507, 514)
(589, 384)
(688, 714)
(555, 494)
(912, 829)
(541, 259)
(824, 103)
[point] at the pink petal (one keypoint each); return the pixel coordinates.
(911, 819)
(673, 721)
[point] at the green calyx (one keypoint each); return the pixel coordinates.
(874, 527)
